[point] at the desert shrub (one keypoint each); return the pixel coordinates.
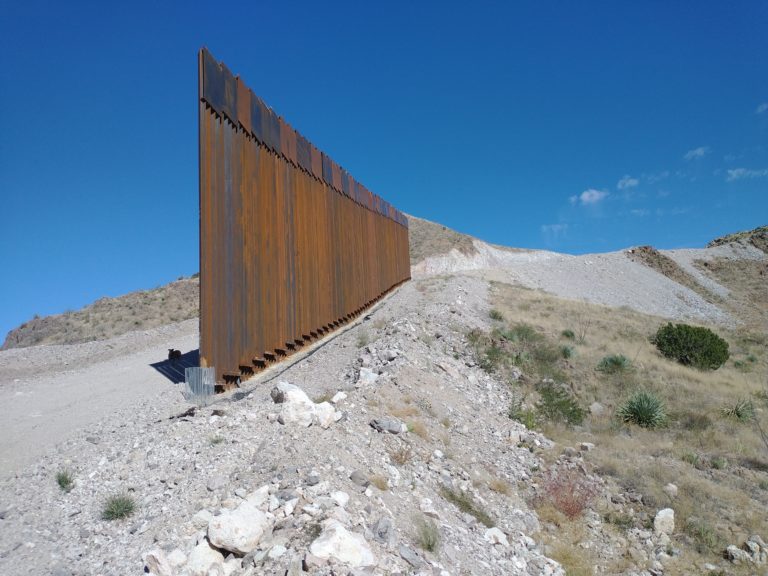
(568, 491)
(492, 358)
(495, 315)
(523, 333)
(117, 507)
(644, 409)
(614, 364)
(743, 410)
(466, 504)
(568, 334)
(65, 481)
(692, 346)
(566, 351)
(427, 534)
(704, 535)
(557, 405)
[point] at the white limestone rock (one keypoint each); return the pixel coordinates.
(239, 530)
(338, 543)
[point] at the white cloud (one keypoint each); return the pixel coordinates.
(699, 152)
(739, 173)
(590, 196)
(657, 176)
(554, 231)
(640, 212)
(762, 108)
(627, 182)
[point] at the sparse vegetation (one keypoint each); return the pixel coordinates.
(496, 315)
(380, 481)
(118, 507)
(215, 439)
(464, 502)
(568, 334)
(427, 533)
(694, 346)
(65, 480)
(706, 425)
(614, 364)
(643, 408)
(401, 455)
(557, 405)
(569, 491)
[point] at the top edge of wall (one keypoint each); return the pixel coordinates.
(230, 97)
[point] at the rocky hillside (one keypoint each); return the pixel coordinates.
(472, 423)
(109, 317)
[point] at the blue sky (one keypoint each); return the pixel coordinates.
(571, 126)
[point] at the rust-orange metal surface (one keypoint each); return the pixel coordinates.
(291, 246)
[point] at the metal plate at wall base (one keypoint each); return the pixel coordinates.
(199, 385)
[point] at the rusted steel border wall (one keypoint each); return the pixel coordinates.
(291, 246)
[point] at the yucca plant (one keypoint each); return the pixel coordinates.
(644, 409)
(743, 411)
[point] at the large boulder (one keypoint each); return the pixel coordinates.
(238, 530)
(337, 543)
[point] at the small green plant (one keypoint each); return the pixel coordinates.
(704, 536)
(427, 534)
(363, 339)
(568, 334)
(566, 351)
(496, 315)
(465, 503)
(557, 405)
(215, 439)
(65, 481)
(522, 333)
(117, 507)
(763, 484)
(691, 458)
(644, 409)
(718, 462)
(743, 411)
(614, 364)
(694, 346)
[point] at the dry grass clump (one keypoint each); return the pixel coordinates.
(401, 455)
(380, 481)
(419, 428)
(499, 485)
(464, 502)
(427, 534)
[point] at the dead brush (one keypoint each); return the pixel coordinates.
(568, 491)
(401, 455)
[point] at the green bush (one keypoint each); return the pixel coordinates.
(559, 406)
(644, 409)
(568, 334)
(692, 346)
(117, 507)
(614, 364)
(566, 351)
